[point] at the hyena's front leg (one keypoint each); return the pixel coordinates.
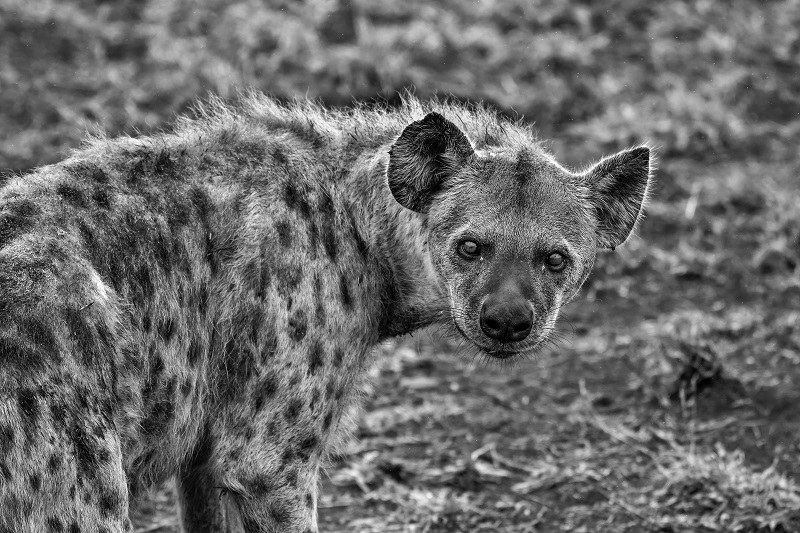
(280, 507)
(204, 506)
(252, 476)
(267, 502)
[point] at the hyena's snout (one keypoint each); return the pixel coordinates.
(506, 316)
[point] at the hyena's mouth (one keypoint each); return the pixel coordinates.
(506, 351)
(500, 350)
(539, 336)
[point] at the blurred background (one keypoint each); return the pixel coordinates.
(671, 403)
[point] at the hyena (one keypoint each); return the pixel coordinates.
(201, 304)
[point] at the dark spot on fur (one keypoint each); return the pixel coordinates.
(82, 334)
(309, 501)
(36, 482)
(101, 198)
(55, 524)
(313, 239)
(315, 394)
(71, 194)
(156, 368)
(29, 407)
(262, 485)
(166, 329)
(16, 218)
(201, 202)
(147, 322)
(178, 216)
(293, 409)
(84, 169)
(326, 422)
(195, 352)
(53, 463)
(98, 175)
(279, 512)
(298, 325)
(287, 457)
(296, 200)
(291, 476)
(258, 273)
(344, 292)
(250, 152)
(13, 354)
(110, 504)
(329, 242)
(307, 446)
(5, 473)
(6, 440)
(164, 163)
(339, 393)
(338, 357)
(319, 301)
(266, 390)
(330, 389)
(74, 528)
(278, 156)
(86, 450)
(316, 357)
(327, 213)
(284, 233)
(137, 170)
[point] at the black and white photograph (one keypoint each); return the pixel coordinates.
(399, 266)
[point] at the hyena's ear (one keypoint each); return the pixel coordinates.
(618, 187)
(425, 155)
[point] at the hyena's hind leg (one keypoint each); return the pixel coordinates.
(61, 466)
(61, 470)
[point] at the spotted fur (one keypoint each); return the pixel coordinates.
(202, 304)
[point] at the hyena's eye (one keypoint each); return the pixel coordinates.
(555, 261)
(469, 249)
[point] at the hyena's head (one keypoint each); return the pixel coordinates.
(512, 234)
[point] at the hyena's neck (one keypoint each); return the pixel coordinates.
(397, 239)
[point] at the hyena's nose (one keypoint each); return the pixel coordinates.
(506, 320)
